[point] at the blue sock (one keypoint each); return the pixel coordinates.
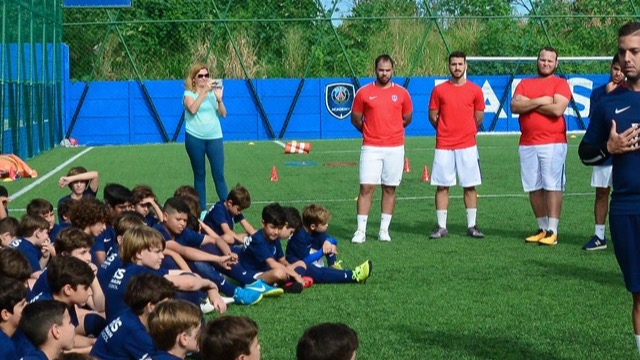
(313, 257)
(207, 271)
(300, 270)
(240, 274)
(329, 276)
(331, 259)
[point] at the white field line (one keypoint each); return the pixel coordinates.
(46, 176)
(406, 198)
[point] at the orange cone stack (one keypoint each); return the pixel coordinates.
(407, 166)
(274, 174)
(425, 174)
(294, 147)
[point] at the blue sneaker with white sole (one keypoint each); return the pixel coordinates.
(246, 297)
(595, 244)
(265, 289)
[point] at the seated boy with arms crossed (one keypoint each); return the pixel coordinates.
(126, 337)
(174, 326)
(224, 214)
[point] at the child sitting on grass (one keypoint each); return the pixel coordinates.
(224, 214)
(82, 183)
(144, 202)
(174, 326)
(8, 231)
(328, 341)
(47, 326)
(34, 242)
(311, 242)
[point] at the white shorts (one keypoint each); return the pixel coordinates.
(542, 167)
(463, 162)
(381, 165)
(601, 176)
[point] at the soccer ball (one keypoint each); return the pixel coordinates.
(70, 142)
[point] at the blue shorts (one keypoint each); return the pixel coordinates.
(625, 233)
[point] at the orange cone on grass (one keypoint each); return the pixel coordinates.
(294, 147)
(407, 166)
(425, 174)
(274, 174)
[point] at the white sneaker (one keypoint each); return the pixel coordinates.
(207, 306)
(383, 235)
(227, 300)
(359, 237)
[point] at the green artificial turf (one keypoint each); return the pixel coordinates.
(454, 298)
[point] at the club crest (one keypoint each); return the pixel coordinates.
(339, 99)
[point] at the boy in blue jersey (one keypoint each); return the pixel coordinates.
(311, 242)
(13, 298)
(141, 252)
(262, 255)
(118, 199)
(174, 326)
(224, 214)
(126, 337)
(230, 338)
(42, 207)
(34, 242)
(303, 239)
(8, 231)
(81, 182)
(614, 132)
(206, 255)
(145, 203)
(47, 325)
(91, 216)
(15, 265)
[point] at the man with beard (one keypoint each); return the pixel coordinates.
(456, 109)
(601, 174)
(381, 110)
(613, 132)
(540, 102)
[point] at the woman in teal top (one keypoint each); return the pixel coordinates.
(203, 106)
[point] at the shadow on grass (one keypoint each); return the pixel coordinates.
(481, 346)
(584, 273)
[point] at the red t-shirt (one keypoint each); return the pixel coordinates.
(457, 106)
(382, 111)
(536, 128)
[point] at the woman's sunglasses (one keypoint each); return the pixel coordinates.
(200, 76)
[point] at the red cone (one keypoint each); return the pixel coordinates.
(425, 174)
(274, 174)
(407, 167)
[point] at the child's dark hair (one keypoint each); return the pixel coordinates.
(12, 292)
(39, 207)
(240, 196)
(64, 208)
(147, 288)
(68, 270)
(3, 191)
(88, 211)
(294, 221)
(327, 341)
(194, 213)
(126, 221)
(187, 191)
(116, 194)
(38, 318)
(274, 214)
(29, 224)
(9, 225)
(170, 319)
(176, 204)
(71, 238)
(15, 265)
(142, 192)
(77, 170)
(227, 337)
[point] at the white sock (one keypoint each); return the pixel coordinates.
(600, 231)
(638, 342)
(553, 225)
(442, 218)
(543, 223)
(471, 217)
(362, 222)
(385, 220)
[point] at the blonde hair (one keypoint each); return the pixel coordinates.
(137, 239)
(190, 82)
(315, 214)
(171, 318)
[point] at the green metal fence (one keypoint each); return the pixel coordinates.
(31, 76)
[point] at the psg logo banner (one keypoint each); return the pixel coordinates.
(339, 99)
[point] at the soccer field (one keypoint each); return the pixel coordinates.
(454, 298)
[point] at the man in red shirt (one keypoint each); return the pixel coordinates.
(541, 102)
(381, 110)
(456, 109)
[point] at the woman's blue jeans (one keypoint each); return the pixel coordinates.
(214, 151)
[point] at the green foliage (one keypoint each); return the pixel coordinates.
(271, 38)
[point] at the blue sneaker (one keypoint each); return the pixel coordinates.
(265, 289)
(595, 244)
(246, 297)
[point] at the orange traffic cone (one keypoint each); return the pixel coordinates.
(407, 167)
(274, 174)
(294, 147)
(425, 174)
